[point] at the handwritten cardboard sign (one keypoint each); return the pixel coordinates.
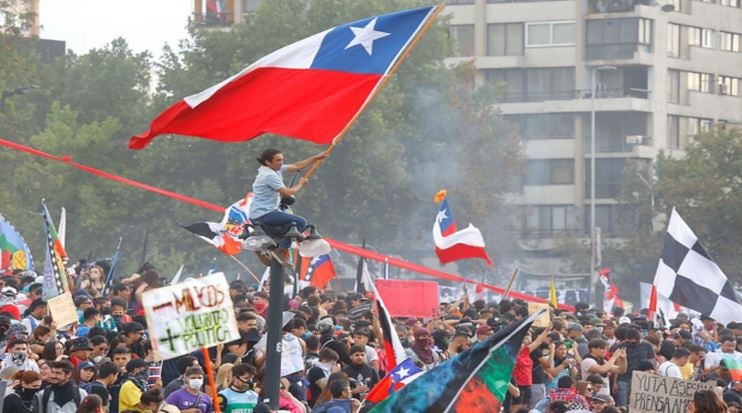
(650, 393)
(63, 310)
(407, 298)
(543, 320)
(190, 315)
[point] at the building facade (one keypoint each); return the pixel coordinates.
(663, 73)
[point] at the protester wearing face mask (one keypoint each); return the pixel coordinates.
(17, 355)
(239, 396)
(421, 351)
(191, 399)
(62, 395)
(21, 400)
(134, 385)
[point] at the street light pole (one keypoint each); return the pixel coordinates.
(593, 252)
(274, 323)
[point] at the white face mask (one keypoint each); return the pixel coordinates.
(195, 384)
(97, 359)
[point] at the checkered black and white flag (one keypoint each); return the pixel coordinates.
(688, 276)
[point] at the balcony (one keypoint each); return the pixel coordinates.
(605, 144)
(613, 6)
(613, 93)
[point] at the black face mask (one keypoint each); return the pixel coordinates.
(250, 383)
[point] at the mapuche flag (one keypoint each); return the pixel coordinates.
(475, 380)
(310, 90)
(55, 277)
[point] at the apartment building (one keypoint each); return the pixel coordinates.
(663, 72)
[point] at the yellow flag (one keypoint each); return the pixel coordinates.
(552, 293)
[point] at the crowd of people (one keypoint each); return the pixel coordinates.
(333, 352)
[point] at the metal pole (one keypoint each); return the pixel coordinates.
(273, 350)
(592, 184)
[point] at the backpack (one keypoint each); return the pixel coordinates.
(48, 394)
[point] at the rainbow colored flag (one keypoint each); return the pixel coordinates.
(14, 252)
(475, 380)
(734, 364)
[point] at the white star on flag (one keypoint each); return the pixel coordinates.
(365, 36)
(441, 216)
(402, 373)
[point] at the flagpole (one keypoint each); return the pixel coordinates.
(384, 80)
(245, 267)
(210, 373)
(510, 284)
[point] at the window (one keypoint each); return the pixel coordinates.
(729, 86)
(698, 125)
(613, 220)
(729, 41)
(530, 85)
(550, 172)
(550, 34)
(707, 38)
(673, 132)
(645, 31)
(546, 126)
(612, 128)
(694, 36)
(608, 177)
(673, 86)
(505, 39)
(701, 82)
(464, 35)
(552, 218)
(673, 40)
(617, 38)
(730, 3)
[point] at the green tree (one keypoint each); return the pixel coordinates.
(428, 128)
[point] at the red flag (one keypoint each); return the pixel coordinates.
(310, 90)
(318, 271)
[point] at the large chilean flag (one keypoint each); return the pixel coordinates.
(455, 245)
(309, 90)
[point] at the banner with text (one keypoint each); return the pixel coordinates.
(190, 315)
(650, 393)
(405, 298)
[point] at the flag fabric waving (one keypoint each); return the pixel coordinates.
(55, 277)
(688, 276)
(14, 252)
(457, 245)
(225, 234)
(393, 350)
(237, 213)
(111, 271)
(403, 374)
(553, 294)
(310, 90)
(610, 296)
(475, 380)
(318, 271)
(213, 233)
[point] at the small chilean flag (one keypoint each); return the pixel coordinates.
(310, 90)
(318, 271)
(453, 245)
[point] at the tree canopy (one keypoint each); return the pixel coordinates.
(427, 129)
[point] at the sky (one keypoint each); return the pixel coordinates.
(88, 24)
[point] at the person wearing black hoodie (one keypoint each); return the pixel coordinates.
(21, 400)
